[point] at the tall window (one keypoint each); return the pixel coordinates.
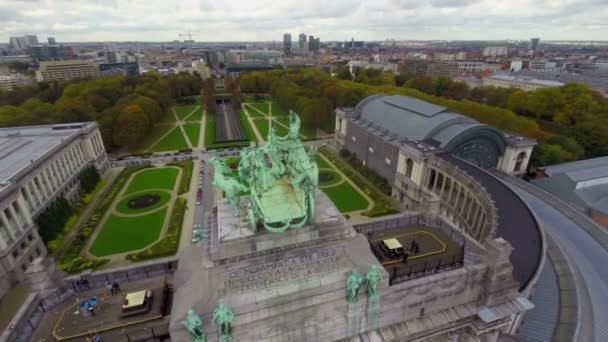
(409, 164)
(520, 160)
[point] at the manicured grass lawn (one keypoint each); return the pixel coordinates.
(262, 107)
(321, 163)
(210, 130)
(193, 131)
(346, 198)
(254, 113)
(156, 178)
(277, 110)
(249, 134)
(334, 180)
(183, 111)
(281, 130)
(262, 126)
(173, 141)
(123, 207)
(124, 234)
(157, 132)
(168, 117)
(196, 116)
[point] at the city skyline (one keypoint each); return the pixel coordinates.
(109, 20)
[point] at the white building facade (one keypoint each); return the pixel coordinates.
(39, 164)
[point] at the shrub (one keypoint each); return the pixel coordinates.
(170, 243)
(186, 166)
(71, 261)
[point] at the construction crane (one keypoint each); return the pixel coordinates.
(187, 34)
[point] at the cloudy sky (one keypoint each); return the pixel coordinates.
(257, 20)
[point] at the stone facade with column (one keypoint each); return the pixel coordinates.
(37, 165)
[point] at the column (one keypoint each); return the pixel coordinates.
(48, 182)
(25, 210)
(38, 187)
(34, 195)
(476, 220)
(49, 174)
(16, 218)
(436, 181)
(11, 232)
(455, 205)
(445, 180)
(450, 193)
(470, 209)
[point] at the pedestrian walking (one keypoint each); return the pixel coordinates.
(110, 288)
(116, 288)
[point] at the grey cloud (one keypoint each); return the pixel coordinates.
(452, 3)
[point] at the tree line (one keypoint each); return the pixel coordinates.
(125, 107)
(580, 113)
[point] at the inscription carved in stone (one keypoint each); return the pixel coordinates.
(296, 268)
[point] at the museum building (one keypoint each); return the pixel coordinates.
(37, 165)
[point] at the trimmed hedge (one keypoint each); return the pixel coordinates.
(186, 166)
(71, 261)
(170, 243)
(381, 206)
(379, 181)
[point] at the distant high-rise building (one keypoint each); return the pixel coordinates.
(302, 41)
(22, 43)
(17, 43)
(311, 43)
(316, 44)
(534, 43)
(287, 43)
(51, 40)
(30, 39)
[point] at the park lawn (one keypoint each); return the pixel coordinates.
(254, 113)
(249, 133)
(261, 106)
(262, 126)
(171, 142)
(156, 178)
(346, 198)
(250, 98)
(193, 132)
(157, 132)
(321, 163)
(125, 234)
(276, 110)
(123, 205)
(196, 116)
(281, 130)
(337, 178)
(210, 130)
(168, 117)
(183, 111)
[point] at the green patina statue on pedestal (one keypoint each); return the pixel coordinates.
(194, 325)
(281, 177)
(353, 283)
(222, 317)
(373, 278)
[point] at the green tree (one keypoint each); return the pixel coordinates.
(131, 126)
(549, 154)
(592, 135)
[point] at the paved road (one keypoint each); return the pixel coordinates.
(586, 254)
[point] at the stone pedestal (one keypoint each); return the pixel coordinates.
(42, 275)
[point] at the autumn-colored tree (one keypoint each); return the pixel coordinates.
(131, 126)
